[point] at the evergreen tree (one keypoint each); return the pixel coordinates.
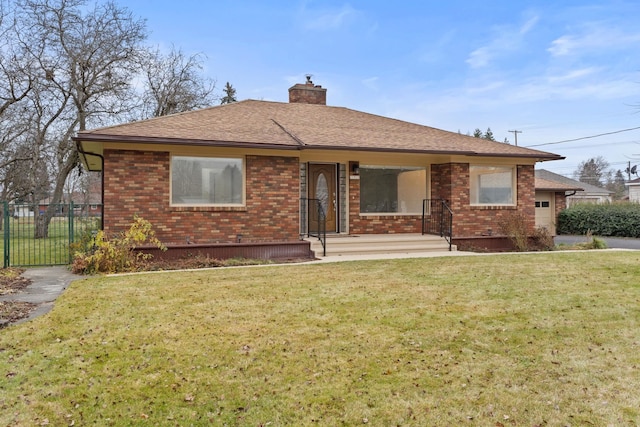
(229, 94)
(615, 183)
(488, 135)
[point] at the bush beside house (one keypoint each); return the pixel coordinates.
(615, 220)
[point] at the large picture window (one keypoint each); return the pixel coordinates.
(492, 185)
(206, 181)
(392, 189)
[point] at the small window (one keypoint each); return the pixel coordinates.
(544, 204)
(197, 181)
(492, 185)
(392, 189)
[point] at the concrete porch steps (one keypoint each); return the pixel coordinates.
(342, 244)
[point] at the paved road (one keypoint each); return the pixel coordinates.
(612, 242)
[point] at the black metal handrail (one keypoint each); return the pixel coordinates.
(437, 218)
(316, 221)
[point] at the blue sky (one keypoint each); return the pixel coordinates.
(554, 70)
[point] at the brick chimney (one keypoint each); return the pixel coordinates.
(308, 93)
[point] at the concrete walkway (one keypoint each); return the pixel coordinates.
(47, 283)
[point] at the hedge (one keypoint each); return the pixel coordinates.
(619, 220)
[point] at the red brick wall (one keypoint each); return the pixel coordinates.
(451, 182)
(308, 94)
(560, 203)
(138, 182)
(377, 224)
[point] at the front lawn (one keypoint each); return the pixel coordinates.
(500, 340)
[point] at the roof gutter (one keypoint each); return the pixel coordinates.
(174, 141)
(299, 146)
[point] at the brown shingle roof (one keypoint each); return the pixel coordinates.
(545, 184)
(302, 126)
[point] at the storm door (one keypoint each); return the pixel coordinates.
(322, 187)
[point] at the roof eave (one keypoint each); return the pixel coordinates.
(89, 137)
(558, 189)
(538, 156)
(179, 141)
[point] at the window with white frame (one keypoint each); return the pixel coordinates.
(197, 181)
(492, 185)
(392, 189)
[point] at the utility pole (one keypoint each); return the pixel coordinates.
(515, 135)
(628, 171)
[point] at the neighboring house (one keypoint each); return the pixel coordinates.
(634, 190)
(588, 194)
(552, 191)
(85, 203)
(22, 211)
(245, 171)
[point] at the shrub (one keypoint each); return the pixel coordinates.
(118, 254)
(542, 240)
(592, 242)
(616, 220)
(514, 226)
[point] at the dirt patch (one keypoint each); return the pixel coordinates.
(11, 282)
(12, 311)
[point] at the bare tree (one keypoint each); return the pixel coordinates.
(67, 65)
(592, 171)
(16, 83)
(86, 59)
(15, 79)
(174, 83)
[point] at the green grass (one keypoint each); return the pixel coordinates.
(515, 339)
(25, 250)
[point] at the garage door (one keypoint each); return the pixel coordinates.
(544, 212)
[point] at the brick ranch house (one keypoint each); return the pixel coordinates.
(243, 174)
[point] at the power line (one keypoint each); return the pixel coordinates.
(584, 137)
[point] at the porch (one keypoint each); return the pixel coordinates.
(369, 244)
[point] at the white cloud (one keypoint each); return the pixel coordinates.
(593, 37)
(435, 51)
(508, 39)
(573, 75)
(480, 57)
(529, 25)
(371, 83)
(328, 20)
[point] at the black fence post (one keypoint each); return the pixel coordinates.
(5, 218)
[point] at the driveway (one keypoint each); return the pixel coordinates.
(612, 242)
